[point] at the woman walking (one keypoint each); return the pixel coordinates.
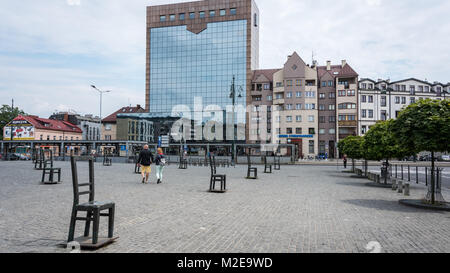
(160, 162)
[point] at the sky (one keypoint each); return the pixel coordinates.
(52, 51)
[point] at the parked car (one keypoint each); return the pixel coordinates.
(13, 157)
(444, 158)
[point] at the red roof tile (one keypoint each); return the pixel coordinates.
(113, 117)
(268, 73)
(50, 124)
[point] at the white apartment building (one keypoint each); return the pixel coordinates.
(383, 99)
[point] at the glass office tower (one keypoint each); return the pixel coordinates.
(195, 49)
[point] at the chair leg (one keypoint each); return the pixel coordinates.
(43, 176)
(111, 222)
(88, 224)
(72, 226)
(96, 226)
(59, 176)
(50, 176)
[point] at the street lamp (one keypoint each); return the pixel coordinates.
(233, 98)
(101, 98)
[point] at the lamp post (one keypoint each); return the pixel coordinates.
(233, 98)
(101, 98)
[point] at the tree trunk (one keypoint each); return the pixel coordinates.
(365, 167)
(353, 165)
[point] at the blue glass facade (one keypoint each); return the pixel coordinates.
(184, 65)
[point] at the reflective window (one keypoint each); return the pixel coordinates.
(181, 16)
(184, 65)
(212, 13)
(202, 14)
(233, 11)
(172, 17)
(192, 15)
(223, 12)
(162, 18)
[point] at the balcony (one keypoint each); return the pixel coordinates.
(278, 101)
(348, 123)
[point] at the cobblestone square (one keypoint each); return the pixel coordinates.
(300, 209)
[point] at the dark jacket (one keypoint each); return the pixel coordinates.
(158, 159)
(145, 158)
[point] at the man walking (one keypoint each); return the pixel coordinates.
(145, 160)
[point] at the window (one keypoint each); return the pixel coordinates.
(311, 118)
(233, 11)
(298, 94)
(341, 93)
(279, 96)
(54, 137)
(364, 113)
(266, 86)
(322, 96)
(289, 119)
(298, 106)
(192, 15)
(298, 131)
(403, 100)
(269, 98)
(289, 131)
(298, 82)
(223, 12)
(324, 84)
(289, 95)
(181, 16)
(331, 107)
(397, 100)
(172, 17)
(48, 137)
(412, 100)
(322, 107)
(330, 83)
(310, 94)
(310, 106)
(322, 119)
(351, 93)
(201, 14)
(108, 127)
(332, 131)
(311, 146)
(363, 129)
(312, 131)
(383, 101)
(255, 19)
(332, 95)
(363, 85)
(364, 98)
(370, 86)
(289, 83)
(412, 89)
(332, 119)
(212, 13)
(370, 99)
(162, 18)
(383, 115)
(370, 113)
(279, 84)
(298, 118)
(427, 89)
(288, 106)
(347, 106)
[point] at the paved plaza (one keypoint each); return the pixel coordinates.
(300, 209)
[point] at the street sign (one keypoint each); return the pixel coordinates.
(164, 141)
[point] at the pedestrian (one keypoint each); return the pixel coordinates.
(345, 161)
(160, 162)
(145, 161)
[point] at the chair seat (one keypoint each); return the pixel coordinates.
(95, 205)
(219, 175)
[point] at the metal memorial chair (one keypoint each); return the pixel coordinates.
(277, 163)
(93, 211)
(107, 160)
(252, 173)
(49, 170)
(267, 166)
(40, 157)
(222, 178)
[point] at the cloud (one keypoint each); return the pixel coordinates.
(52, 51)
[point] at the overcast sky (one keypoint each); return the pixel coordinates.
(51, 51)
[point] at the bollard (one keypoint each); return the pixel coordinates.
(409, 173)
(400, 186)
(406, 192)
(395, 171)
(417, 175)
(394, 184)
(402, 170)
(426, 176)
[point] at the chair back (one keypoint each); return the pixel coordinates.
(249, 163)
(212, 162)
(76, 185)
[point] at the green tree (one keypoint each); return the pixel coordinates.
(425, 126)
(351, 146)
(7, 114)
(381, 144)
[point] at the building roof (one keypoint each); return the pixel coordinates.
(337, 71)
(411, 79)
(124, 110)
(268, 73)
(50, 124)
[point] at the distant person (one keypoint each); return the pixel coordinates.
(145, 161)
(160, 162)
(345, 161)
